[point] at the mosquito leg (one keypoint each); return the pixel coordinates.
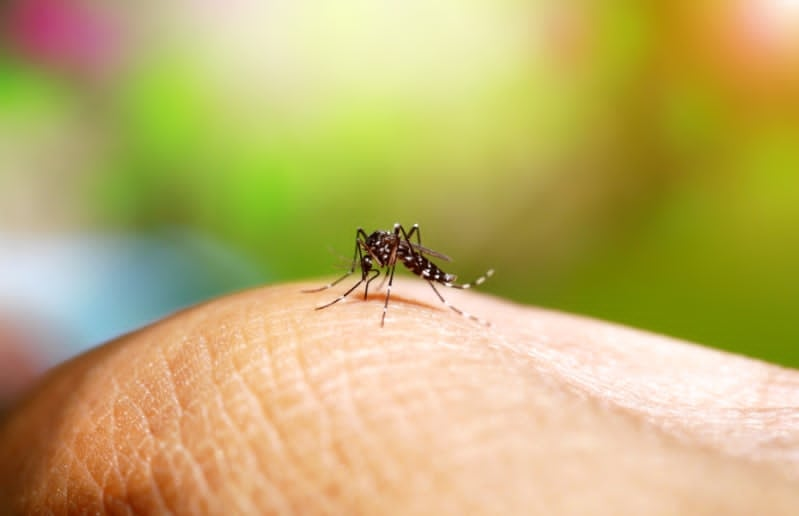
(478, 281)
(398, 229)
(414, 231)
(345, 294)
(311, 290)
(366, 290)
(388, 294)
(355, 259)
(456, 309)
(382, 282)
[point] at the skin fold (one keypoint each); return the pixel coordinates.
(256, 403)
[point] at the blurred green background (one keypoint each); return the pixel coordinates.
(632, 161)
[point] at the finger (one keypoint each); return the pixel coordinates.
(256, 403)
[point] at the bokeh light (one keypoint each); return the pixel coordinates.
(634, 162)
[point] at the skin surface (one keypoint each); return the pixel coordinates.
(257, 404)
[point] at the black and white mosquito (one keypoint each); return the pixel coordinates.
(383, 250)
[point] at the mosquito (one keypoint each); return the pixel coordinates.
(383, 250)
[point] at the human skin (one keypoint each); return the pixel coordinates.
(257, 404)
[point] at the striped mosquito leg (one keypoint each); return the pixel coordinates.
(375, 273)
(388, 295)
(357, 256)
(478, 281)
(339, 298)
(312, 290)
(456, 309)
(347, 293)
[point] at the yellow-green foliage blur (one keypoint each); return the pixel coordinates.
(633, 161)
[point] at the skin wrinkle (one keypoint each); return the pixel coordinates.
(345, 426)
(390, 417)
(94, 416)
(643, 394)
(348, 396)
(380, 457)
(161, 471)
(222, 458)
(401, 407)
(172, 434)
(371, 453)
(318, 405)
(78, 462)
(114, 466)
(140, 454)
(351, 457)
(171, 384)
(70, 451)
(362, 451)
(148, 436)
(281, 421)
(105, 465)
(266, 422)
(186, 409)
(101, 459)
(200, 451)
(447, 385)
(402, 393)
(226, 411)
(319, 482)
(355, 459)
(764, 384)
(282, 449)
(320, 414)
(207, 457)
(439, 464)
(332, 457)
(154, 488)
(151, 437)
(275, 496)
(30, 467)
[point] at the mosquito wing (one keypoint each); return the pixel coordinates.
(424, 250)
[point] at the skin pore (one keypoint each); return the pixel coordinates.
(257, 404)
